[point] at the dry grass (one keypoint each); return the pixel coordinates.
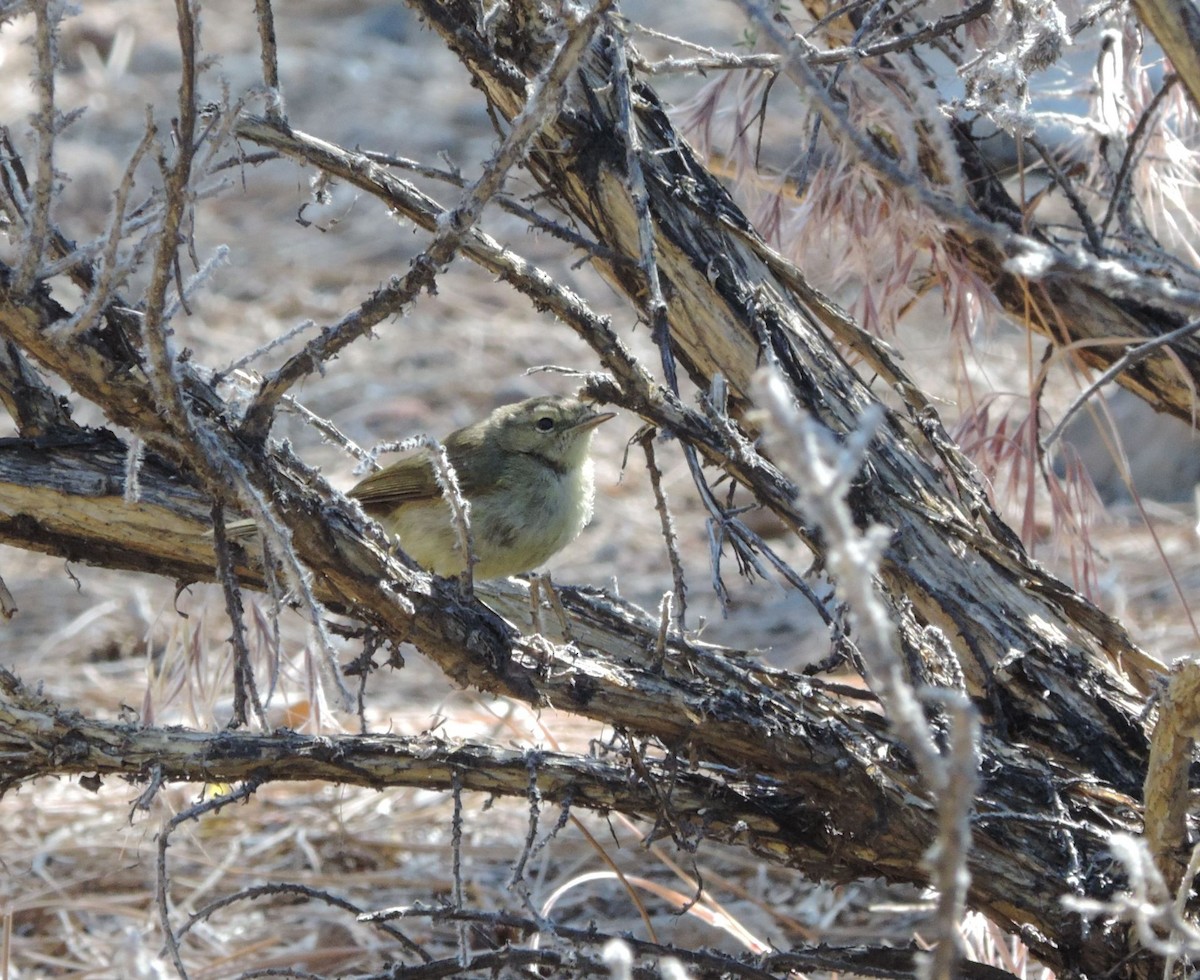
(77, 867)
(77, 886)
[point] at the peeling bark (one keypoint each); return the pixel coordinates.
(783, 765)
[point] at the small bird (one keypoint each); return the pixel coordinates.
(525, 470)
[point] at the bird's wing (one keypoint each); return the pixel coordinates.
(398, 484)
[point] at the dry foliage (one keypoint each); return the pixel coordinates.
(958, 748)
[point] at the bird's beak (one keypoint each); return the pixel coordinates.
(593, 420)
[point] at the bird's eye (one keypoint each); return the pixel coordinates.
(545, 423)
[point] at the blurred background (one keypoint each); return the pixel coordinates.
(369, 76)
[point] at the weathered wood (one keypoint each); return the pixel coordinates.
(38, 738)
(823, 781)
(1049, 669)
(1175, 25)
(1172, 749)
(838, 793)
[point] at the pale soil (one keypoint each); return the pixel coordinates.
(77, 869)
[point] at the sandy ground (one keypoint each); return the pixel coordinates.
(370, 76)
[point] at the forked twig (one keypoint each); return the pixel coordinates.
(162, 881)
(453, 229)
(1125, 361)
(1118, 200)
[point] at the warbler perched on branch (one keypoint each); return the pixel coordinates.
(525, 470)
(526, 473)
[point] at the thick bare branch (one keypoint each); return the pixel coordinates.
(36, 410)
(818, 782)
(807, 749)
(1175, 25)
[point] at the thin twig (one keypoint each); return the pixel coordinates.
(1134, 150)
(1063, 182)
(713, 59)
(158, 348)
(244, 688)
(1093, 14)
(330, 433)
(447, 481)
(948, 856)
(516, 880)
(454, 228)
(198, 279)
(113, 272)
(460, 509)
(45, 45)
(278, 341)
(666, 522)
(505, 203)
(292, 889)
(268, 51)
(456, 842)
(1127, 360)
(162, 882)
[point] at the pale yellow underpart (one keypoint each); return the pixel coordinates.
(508, 540)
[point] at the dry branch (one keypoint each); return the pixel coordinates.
(728, 712)
(728, 311)
(778, 763)
(1176, 26)
(39, 738)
